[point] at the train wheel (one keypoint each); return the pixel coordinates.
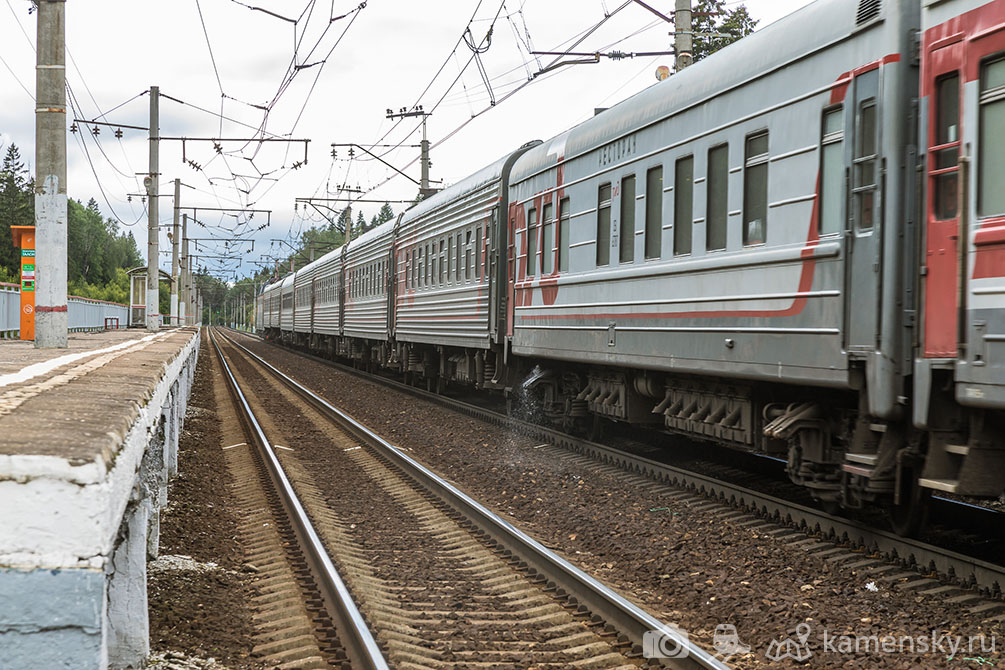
(908, 517)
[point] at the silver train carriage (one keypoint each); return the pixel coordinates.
(959, 368)
(732, 236)
(366, 320)
(747, 252)
(451, 283)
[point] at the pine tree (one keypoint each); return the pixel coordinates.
(384, 215)
(723, 26)
(17, 206)
(360, 226)
(338, 226)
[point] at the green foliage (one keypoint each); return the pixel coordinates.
(97, 253)
(17, 207)
(94, 246)
(732, 24)
(116, 290)
(384, 215)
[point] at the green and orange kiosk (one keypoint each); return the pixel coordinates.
(24, 237)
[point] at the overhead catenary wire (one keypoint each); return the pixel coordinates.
(16, 78)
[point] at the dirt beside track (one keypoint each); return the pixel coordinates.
(685, 566)
(199, 585)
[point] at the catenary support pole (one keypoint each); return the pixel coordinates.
(184, 296)
(683, 34)
(51, 322)
(174, 254)
(424, 159)
(153, 214)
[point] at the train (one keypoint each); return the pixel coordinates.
(795, 247)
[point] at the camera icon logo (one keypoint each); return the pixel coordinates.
(666, 642)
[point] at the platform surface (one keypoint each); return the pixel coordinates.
(76, 404)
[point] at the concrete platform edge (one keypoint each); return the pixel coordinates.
(82, 603)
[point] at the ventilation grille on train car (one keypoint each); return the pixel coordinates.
(867, 10)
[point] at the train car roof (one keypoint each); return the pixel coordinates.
(807, 29)
(372, 234)
(473, 182)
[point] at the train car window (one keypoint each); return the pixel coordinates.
(654, 212)
(604, 225)
(448, 266)
(531, 241)
(563, 235)
(865, 165)
(831, 172)
(755, 189)
(627, 250)
(467, 256)
(717, 198)
(443, 261)
(434, 266)
(683, 206)
(946, 152)
(460, 260)
(478, 253)
(991, 145)
(430, 264)
(547, 239)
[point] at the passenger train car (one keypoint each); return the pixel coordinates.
(794, 247)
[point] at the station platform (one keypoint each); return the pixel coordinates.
(88, 441)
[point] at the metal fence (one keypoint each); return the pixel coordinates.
(83, 314)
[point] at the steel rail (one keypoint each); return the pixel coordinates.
(354, 634)
(988, 577)
(582, 589)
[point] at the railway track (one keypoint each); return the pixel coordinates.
(912, 564)
(321, 609)
(440, 580)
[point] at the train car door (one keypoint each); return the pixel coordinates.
(865, 217)
(941, 281)
(964, 85)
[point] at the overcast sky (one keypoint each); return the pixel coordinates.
(222, 55)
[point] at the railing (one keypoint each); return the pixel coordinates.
(83, 314)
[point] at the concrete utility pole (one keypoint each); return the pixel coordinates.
(184, 297)
(51, 323)
(153, 191)
(683, 34)
(174, 255)
(424, 160)
(424, 190)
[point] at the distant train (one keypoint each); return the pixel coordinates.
(794, 247)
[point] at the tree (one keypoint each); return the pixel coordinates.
(17, 206)
(360, 226)
(384, 215)
(723, 26)
(339, 226)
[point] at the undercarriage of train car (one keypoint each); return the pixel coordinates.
(832, 447)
